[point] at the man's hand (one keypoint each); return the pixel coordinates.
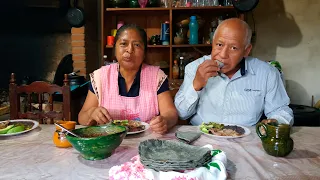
(207, 69)
(100, 115)
(159, 125)
(269, 121)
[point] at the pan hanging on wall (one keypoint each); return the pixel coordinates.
(75, 15)
(245, 5)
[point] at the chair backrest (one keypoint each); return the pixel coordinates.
(38, 90)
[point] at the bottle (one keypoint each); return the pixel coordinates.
(175, 70)
(193, 28)
(181, 68)
(211, 33)
(165, 33)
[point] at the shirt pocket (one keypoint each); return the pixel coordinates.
(247, 103)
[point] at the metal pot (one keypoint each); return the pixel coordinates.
(305, 115)
(76, 80)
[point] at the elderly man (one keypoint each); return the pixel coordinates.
(239, 91)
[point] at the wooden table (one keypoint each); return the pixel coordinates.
(34, 156)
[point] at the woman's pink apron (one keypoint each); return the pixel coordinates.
(142, 108)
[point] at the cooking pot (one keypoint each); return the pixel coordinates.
(245, 5)
(76, 80)
(305, 115)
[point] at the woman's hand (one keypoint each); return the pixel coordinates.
(159, 125)
(100, 115)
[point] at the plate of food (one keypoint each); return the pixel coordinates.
(18, 126)
(134, 126)
(224, 130)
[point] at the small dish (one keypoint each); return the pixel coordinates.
(30, 124)
(246, 132)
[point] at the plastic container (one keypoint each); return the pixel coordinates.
(193, 28)
(165, 33)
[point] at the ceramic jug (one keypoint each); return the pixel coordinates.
(276, 140)
(59, 136)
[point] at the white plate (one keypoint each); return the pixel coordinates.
(246, 132)
(34, 124)
(146, 127)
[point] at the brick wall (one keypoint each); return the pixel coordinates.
(78, 50)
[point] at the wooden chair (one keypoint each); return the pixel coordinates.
(37, 90)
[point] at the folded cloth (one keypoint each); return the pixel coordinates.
(134, 170)
(188, 136)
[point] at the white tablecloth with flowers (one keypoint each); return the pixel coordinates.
(34, 156)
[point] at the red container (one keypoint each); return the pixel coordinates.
(110, 40)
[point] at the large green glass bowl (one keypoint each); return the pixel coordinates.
(97, 142)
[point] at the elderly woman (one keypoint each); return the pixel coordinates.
(130, 89)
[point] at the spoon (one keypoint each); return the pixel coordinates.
(67, 130)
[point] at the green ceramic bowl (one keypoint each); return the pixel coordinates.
(97, 142)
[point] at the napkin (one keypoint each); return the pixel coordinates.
(134, 170)
(188, 136)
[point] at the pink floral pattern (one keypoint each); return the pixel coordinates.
(183, 178)
(130, 171)
(134, 170)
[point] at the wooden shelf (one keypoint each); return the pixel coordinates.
(204, 8)
(138, 9)
(150, 19)
(173, 9)
(149, 46)
(158, 46)
(191, 45)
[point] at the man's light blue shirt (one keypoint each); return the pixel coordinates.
(240, 100)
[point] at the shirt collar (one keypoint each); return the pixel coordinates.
(247, 66)
(119, 74)
(244, 68)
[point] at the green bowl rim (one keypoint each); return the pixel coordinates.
(99, 137)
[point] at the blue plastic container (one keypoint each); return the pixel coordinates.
(193, 28)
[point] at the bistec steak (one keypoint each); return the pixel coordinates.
(132, 125)
(221, 129)
(135, 126)
(227, 131)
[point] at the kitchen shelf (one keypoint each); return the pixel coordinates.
(191, 45)
(150, 19)
(173, 8)
(203, 8)
(138, 9)
(149, 46)
(158, 46)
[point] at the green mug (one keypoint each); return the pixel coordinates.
(276, 140)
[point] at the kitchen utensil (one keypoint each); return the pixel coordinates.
(75, 15)
(245, 5)
(59, 136)
(275, 139)
(73, 73)
(97, 142)
(67, 130)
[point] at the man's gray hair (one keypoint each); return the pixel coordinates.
(245, 25)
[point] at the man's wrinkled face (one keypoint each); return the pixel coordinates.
(229, 47)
